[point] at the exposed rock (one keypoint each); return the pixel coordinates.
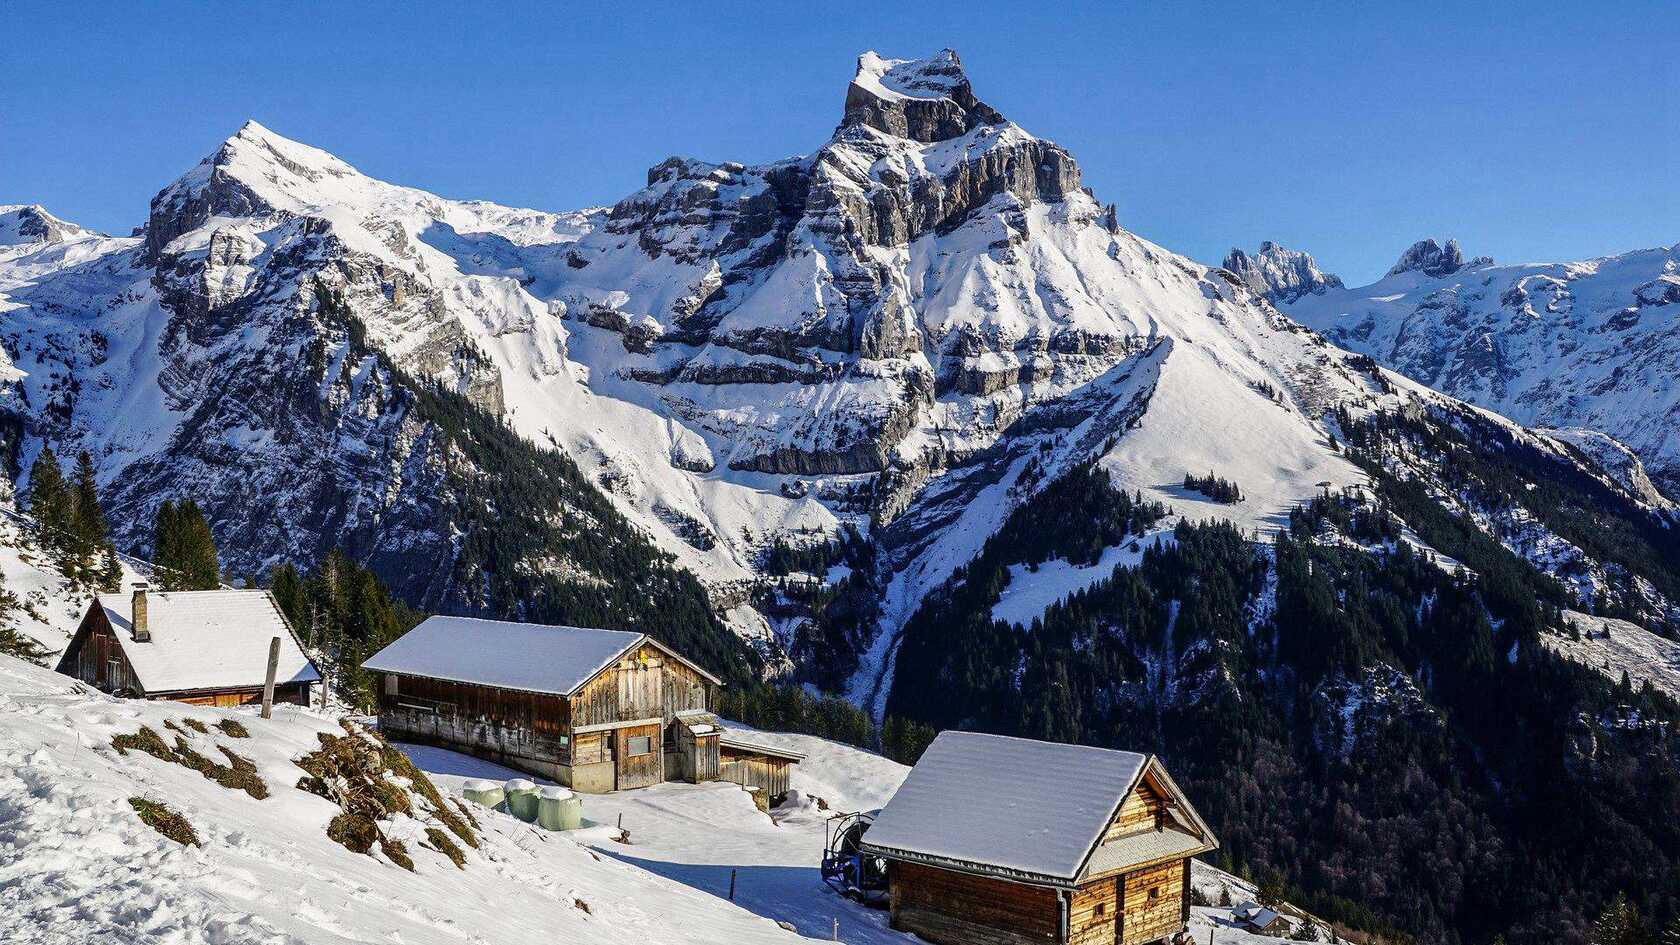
(1281, 275)
(1432, 259)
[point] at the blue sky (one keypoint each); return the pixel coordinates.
(1531, 131)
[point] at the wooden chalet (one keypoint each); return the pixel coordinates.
(202, 647)
(597, 710)
(1007, 841)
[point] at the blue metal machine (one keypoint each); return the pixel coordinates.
(845, 866)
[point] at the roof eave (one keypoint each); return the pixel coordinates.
(1023, 877)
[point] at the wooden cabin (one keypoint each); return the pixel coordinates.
(201, 647)
(1007, 841)
(597, 710)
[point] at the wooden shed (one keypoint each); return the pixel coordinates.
(1007, 841)
(201, 647)
(598, 710)
(753, 764)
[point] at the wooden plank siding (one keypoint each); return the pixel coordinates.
(1153, 903)
(645, 684)
(1093, 913)
(539, 732)
(1142, 809)
(750, 769)
(525, 729)
(951, 907)
(97, 658)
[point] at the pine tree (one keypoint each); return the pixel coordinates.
(88, 536)
(184, 550)
(49, 502)
(1620, 924)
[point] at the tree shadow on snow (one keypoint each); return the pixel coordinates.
(793, 894)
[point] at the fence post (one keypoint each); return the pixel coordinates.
(731, 884)
(268, 684)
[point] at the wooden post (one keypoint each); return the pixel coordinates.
(268, 683)
(731, 884)
(837, 928)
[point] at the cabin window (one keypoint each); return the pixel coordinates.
(640, 745)
(390, 684)
(1102, 909)
(1154, 892)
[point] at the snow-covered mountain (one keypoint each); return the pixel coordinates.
(1281, 275)
(909, 331)
(1592, 344)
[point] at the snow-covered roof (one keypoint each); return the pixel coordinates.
(529, 657)
(742, 742)
(207, 640)
(1009, 804)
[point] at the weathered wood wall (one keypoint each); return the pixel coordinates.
(521, 724)
(290, 693)
(97, 658)
(748, 769)
(954, 908)
(634, 771)
(1153, 903)
(645, 684)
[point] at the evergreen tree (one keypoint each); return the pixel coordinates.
(1620, 924)
(87, 520)
(184, 549)
(49, 502)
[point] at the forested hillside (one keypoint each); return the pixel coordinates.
(1369, 724)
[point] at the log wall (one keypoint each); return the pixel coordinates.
(953, 908)
(1141, 810)
(1154, 903)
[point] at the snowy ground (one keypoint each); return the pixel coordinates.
(1031, 592)
(698, 834)
(76, 864)
(1628, 648)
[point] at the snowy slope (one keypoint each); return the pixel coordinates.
(49, 607)
(1592, 344)
(1614, 647)
(77, 865)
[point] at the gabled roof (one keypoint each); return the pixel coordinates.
(206, 640)
(1026, 810)
(528, 657)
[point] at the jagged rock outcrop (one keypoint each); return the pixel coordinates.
(22, 224)
(1281, 275)
(1588, 345)
(1435, 260)
(925, 100)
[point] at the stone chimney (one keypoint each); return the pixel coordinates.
(137, 616)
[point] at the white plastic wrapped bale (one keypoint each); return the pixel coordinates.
(481, 791)
(559, 809)
(521, 799)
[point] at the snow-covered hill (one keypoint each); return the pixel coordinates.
(77, 863)
(1592, 344)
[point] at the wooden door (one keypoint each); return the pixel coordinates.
(638, 757)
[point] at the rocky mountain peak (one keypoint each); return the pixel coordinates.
(253, 172)
(1433, 259)
(1280, 274)
(31, 223)
(926, 100)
